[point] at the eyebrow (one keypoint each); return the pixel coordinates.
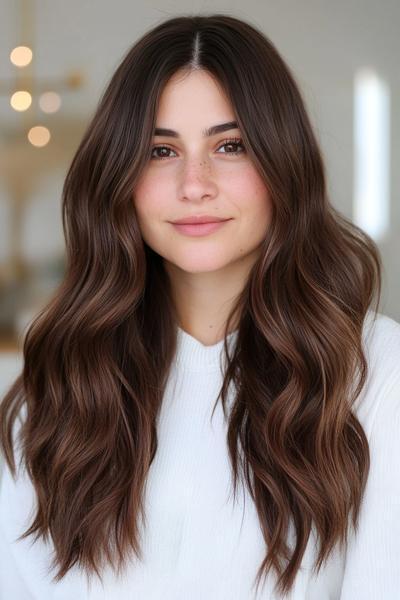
(206, 132)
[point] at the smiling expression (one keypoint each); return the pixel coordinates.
(199, 166)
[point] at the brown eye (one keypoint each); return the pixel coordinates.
(162, 152)
(164, 155)
(233, 143)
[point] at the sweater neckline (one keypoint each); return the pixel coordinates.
(195, 356)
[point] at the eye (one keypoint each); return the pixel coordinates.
(155, 148)
(234, 142)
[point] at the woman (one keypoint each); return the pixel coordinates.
(125, 460)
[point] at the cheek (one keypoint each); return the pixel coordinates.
(146, 198)
(141, 192)
(252, 199)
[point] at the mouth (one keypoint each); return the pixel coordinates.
(200, 229)
(194, 220)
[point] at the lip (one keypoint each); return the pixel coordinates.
(199, 229)
(194, 220)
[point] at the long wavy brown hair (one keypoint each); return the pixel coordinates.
(97, 357)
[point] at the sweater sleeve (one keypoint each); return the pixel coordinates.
(372, 567)
(12, 584)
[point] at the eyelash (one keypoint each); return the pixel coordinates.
(234, 141)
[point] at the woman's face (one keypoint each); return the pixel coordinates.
(191, 174)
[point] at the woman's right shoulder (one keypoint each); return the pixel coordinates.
(17, 446)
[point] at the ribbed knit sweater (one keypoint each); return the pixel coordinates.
(200, 545)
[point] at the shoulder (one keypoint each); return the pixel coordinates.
(381, 334)
(381, 391)
(377, 540)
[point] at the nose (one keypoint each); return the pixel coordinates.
(196, 180)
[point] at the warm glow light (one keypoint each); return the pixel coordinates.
(371, 153)
(39, 136)
(21, 100)
(21, 56)
(49, 102)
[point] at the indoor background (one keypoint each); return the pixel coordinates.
(345, 58)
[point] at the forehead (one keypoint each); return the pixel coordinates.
(194, 94)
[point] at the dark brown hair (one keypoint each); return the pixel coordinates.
(97, 357)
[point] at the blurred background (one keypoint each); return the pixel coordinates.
(56, 59)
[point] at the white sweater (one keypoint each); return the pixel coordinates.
(198, 544)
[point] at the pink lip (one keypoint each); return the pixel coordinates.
(199, 219)
(199, 229)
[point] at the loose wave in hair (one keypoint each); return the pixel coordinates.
(97, 357)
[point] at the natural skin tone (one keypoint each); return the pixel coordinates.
(201, 175)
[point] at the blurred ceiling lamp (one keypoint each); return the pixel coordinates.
(50, 102)
(39, 136)
(21, 56)
(371, 153)
(21, 100)
(25, 87)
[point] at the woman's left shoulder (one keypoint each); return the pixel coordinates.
(381, 391)
(381, 332)
(371, 569)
